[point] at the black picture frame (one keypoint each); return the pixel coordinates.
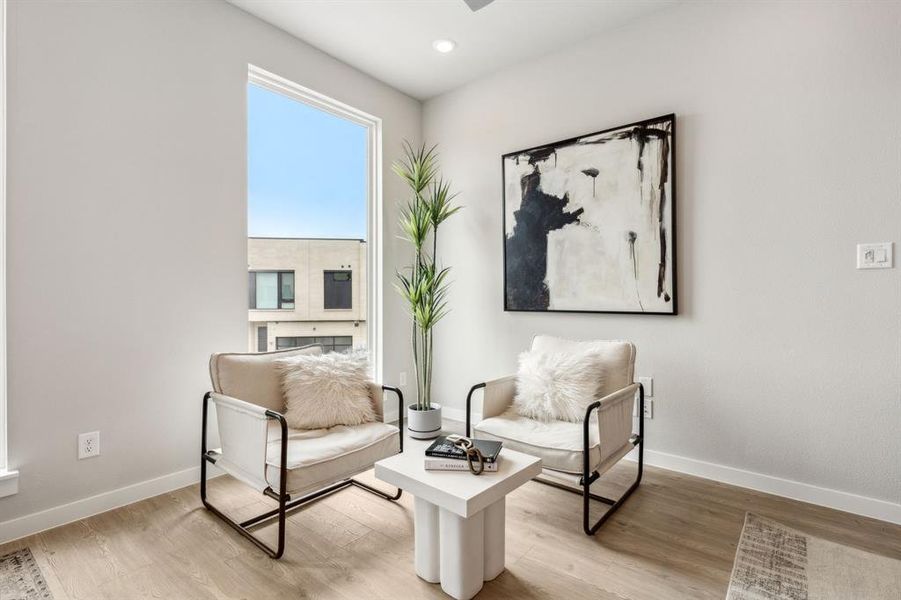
(673, 233)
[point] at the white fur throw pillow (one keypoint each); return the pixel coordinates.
(557, 386)
(326, 390)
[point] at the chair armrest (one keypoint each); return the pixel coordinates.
(243, 435)
(400, 410)
(614, 422)
(238, 405)
(626, 393)
(497, 397)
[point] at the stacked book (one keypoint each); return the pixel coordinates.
(443, 455)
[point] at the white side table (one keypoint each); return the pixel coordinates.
(459, 517)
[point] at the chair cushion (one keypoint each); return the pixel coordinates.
(327, 390)
(557, 386)
(317, 457)
(557, 443)
(618, 357)
(253, 377)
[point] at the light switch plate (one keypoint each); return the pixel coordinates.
(876, 255)
(648, 384)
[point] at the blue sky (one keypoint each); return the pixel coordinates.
(306, 170)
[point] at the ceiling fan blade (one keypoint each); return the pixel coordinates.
(475, 5)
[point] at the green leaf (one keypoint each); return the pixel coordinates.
(423, 286)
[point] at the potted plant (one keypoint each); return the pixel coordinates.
(424, 285)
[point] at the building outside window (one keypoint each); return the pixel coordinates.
(307, 288)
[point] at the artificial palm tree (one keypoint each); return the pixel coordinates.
(424, 284)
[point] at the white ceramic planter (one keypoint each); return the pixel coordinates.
(424, 424)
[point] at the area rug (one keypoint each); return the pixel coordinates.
(21, 577)
(775, 562)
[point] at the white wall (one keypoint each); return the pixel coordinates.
(785, 360)
(127, 228)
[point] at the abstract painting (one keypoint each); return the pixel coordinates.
(589, 222)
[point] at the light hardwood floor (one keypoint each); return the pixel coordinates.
(675, 538)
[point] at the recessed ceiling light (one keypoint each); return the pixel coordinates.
(444, 46)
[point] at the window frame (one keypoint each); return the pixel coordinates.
(9, 478)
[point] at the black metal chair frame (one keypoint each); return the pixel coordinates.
(285, 502)
(587, 478)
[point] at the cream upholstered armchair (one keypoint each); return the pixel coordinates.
(291, 466)
(574, 455)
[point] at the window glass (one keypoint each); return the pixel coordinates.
(262, 338)
(342, 343)
(308, 193)
(267, 290)
(339, 343)
(287, 289)
(338, 290)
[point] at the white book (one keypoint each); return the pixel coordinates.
(452, 464)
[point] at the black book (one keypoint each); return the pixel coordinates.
(445, 449)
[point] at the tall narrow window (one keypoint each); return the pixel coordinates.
(312, 179)
(286, 289)
(9, 479)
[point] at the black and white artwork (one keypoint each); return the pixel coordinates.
(589, 222)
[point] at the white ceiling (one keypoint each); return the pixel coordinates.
(392, 39)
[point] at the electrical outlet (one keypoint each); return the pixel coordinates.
(88, 444)
(402, 379)
(648, 409)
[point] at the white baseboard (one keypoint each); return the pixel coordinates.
(453, 414)
(852, 503)
(796, 490)
(86, 507)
